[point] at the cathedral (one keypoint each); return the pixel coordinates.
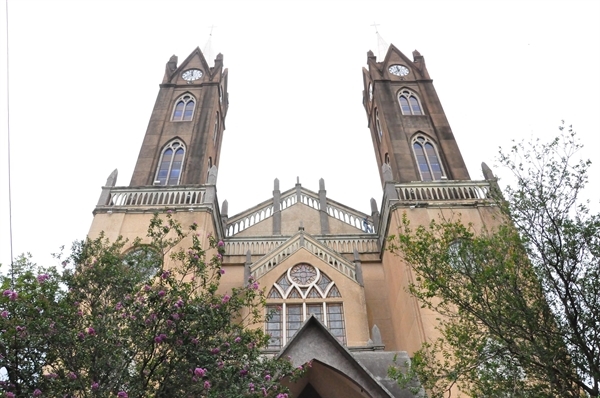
(339, 298)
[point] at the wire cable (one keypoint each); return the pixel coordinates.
(10, 234)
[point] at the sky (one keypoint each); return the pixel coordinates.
(83, 77)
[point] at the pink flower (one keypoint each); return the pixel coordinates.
(282, 396)
(37, 392)
(268, 377)
(243, 372)
(199, 372)
(41, 279)
(237, 339)
(72, 376)
(10, 395)
(95, 386)
(215, 351)
(220, 244)
(4, 314)
(226, 298)
(222, 271)
(255, 286)
(161, 293)
(169, 211)
(165, 274)
(122, 394)
(146, 287)
(160, 338)
(219, 256)
(206, 385)
(251, 387)
(91, 331)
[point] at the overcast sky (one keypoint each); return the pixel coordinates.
(84, 76)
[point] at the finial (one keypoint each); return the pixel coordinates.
(373, 205)
(212, 176)
(111, 181)
(487, 172)
(224, 208)
(322, 184)
(297, 180)
(276, 184)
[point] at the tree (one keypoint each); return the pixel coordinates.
(521, 300)
(147, 323)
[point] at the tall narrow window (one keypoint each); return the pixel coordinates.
(409, 103)
(170, 165)
(184, 108)
(428, 160)
(274, 326)
(378, 124)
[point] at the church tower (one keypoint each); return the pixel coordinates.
(408, 126)
(184, 135)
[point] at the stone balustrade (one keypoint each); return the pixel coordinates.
(437, 191)
(172, 196)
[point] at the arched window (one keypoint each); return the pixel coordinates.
(299, 293)
(428, 160)
(184, 108)
(216, 129)
(409, 103)
(144, 261)
(171, 162)
(378, 124)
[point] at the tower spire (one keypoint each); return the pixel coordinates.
(382, 45)
(208, 47)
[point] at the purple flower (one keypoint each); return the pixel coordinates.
(226, 298)
(147, 287)
(41, 279)
(160, 338)
(282, 396)
(199, 372)
(237, 339)
(243, 372)
(255, 286)
(165, 274)
(37, 392)
(206, 385)
(95, 386)
(119, 306)
(215, 351)
(195, 340)
(91, 331)
(161, 293)
(10, 395)
(268, 377)
(72, 376)
(251, 387)
(222, 271)
(220, 244)
(51, 375)
(175, 316)
(122, 394)
(4, 314)
(7, 292)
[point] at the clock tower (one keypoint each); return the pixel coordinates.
(411, 135)
(188, 118)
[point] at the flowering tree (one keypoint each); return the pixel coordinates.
(149, 323)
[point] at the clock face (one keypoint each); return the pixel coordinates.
(398, 70)
(192, 74)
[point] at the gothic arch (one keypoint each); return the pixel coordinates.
(427, 157)
(183, 108)
(409, 102)
(170, 164)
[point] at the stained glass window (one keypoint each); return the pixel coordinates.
(409, 103)
(335, 322)
(170, 165)
(303, 274)
(184, 108)
(427, 159)
(274, 327)
(294, 319)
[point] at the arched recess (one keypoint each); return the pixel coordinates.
(427, 158)
(170, 165)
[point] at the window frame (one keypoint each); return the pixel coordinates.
(185, 99)
(427, 140)
(407, 95)
(285, 301)
(159, 168)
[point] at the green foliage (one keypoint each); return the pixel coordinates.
(520, 302)
(147, 323)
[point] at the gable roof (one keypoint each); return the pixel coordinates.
(314, 342)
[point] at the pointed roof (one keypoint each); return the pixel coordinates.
(314, 343)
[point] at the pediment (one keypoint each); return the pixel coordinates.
(311, 248)
(393, 56)
(345, 375)
(194, 60)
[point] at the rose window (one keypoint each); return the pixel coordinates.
(303, 274)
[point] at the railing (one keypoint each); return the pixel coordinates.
(264, 210)
(288, 248)
(444, 191)
(348, 245)
(155, 196)
(260, 247)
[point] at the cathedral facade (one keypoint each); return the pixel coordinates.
(338, 298)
